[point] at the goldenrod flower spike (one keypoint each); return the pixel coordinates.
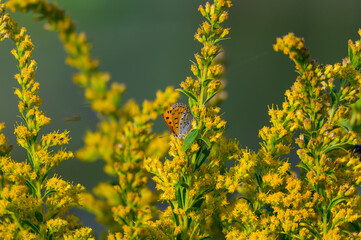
(188, 180)
(323, 202)
(124, 136)
(32, 204)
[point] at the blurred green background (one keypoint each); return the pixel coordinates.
(147, 44)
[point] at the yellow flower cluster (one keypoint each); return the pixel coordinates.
(189, 180)
(124, 145)
(32, 205)
(214, 188)
(124, 134)
(323, 202)
(4, 149)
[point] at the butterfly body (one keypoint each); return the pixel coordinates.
(178, 118)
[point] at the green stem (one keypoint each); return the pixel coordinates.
(203, 78)
(324, 223)
(15, 218)
(186, 205)
(194, 230)
(317, 164)
(38, 190)
(200, 103)
(334, 107)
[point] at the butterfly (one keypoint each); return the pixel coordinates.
(178, 118)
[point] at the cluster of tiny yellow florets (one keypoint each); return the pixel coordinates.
(4, 148)
(322, 202)
(30, 200)
(105, 100)
(322, 107)
(188, 179)
(124, 134)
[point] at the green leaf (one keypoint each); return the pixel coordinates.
(210, 97)
(54, 215)
(207, 141)
(304, 166)
(179, 197)
(175, 217)
(191, 137)
(333, 95)
(30, 159)
(335, 201)
(202, 155)
(192, 103)
(48, 193)
(331, 174)
(189, 94)
(31, 186)
(329, 149)
(313, 231)
(39, 216)
(30, 224)
(44, 177)
(306, 140)
(259, 179)
(123, 220)
(199, 203)
(320, 189)
(185, 185)
(240, 223)
(328, 216)
(206, 82)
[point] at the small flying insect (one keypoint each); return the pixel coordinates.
(72, 118)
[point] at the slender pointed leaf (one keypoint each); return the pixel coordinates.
(259, 179)
(31, 186)
(206, 82)
(202, 156)
(304, 166)
(48, 193)
(175, 217)
(179, 197)
(207, 141)
(189, 94)
(314, 232)
(191, 137)
(30, 224)
(39, 216)
(210, 97)
(185, 185)
(336, 201)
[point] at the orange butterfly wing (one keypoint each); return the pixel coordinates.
(172, 116)
(177, 112)
(167, 116)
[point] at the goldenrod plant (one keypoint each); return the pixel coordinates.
(212, 188)
(34, 202)
(323, 202)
